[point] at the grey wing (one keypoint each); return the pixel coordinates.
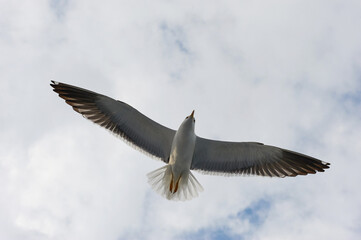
(119, 118)
(252, 158)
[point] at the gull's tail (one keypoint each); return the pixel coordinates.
(185, 188)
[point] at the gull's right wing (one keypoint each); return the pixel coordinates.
(120, 118)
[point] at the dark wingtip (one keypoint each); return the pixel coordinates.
(53, 84)
(304, 163)
(325, 164)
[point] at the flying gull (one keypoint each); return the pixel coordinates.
(182, 150)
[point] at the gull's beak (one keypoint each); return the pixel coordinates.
(192, 114)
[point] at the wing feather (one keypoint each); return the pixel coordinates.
(251, 158)
(119, 118)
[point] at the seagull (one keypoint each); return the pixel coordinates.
(182, 150)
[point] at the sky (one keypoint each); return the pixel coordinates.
(285, 73)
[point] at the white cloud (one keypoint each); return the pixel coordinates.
(284, 73)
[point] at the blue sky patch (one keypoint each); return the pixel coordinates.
(255, 215)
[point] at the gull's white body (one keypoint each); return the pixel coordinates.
(183, 150)
(175, 180)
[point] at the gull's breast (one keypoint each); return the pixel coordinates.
(182, 151)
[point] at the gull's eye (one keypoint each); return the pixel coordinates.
(187, 117)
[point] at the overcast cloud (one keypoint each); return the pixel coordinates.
(285, 73)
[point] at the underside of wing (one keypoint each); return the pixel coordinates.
(250, 158)
(120, 118)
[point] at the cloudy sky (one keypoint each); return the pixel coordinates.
(285, 73)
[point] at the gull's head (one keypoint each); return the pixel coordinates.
(192, 115)
(189, 121)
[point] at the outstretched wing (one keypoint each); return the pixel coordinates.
(252, 158)
(120, 118)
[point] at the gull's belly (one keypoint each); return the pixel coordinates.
(182, 152)
(181, 158)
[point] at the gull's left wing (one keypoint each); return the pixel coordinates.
(251, 158)
(120, 118)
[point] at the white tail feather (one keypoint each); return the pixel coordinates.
(188, 186)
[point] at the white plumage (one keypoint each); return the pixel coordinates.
(182, 150)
